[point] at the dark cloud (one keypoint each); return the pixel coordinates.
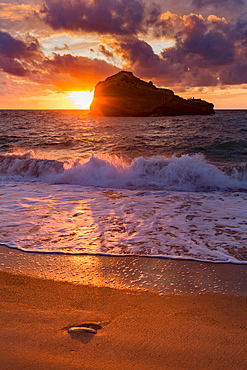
(206, 52)
(208, 49)
(14, 48)
(107, 53)
(23, 58)
(240, 32)
(164, 70)
(208, 46)
(140, 58)
(154, 12)
(118, 17)
(12, 67)
(15, 54)
(234, 74)
(139, 52)
(217, 3)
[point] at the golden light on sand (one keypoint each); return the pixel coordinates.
(80, 99)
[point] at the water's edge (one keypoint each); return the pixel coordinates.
(129, 272)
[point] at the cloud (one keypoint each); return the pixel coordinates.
(118, 17)
(21, 18)
(235, 74)
(14, 48)
(207, 51)
(139, 57)
(67, 72)
(62, 48)
(206, 45)
(217, 3)
(108, 54)
(221, 8)
(12, 12)
(23, 58)
(137, 52)
(15, 54)
(12, 67)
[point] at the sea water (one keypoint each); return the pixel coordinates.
(168, 187)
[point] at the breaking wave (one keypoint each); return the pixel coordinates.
(185, 173)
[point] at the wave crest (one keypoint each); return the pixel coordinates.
(185, 173)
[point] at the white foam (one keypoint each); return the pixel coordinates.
(83, 220)
(185, 173)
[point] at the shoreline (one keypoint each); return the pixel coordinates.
(131, 272)
(140, 330)
(154, 314)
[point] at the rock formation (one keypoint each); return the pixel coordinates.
(123, 94)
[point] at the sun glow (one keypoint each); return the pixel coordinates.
(80, 99)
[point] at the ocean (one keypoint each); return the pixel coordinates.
(166, 187)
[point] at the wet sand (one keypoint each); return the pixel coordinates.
(162, 275)
(140, 330)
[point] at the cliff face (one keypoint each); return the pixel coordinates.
(126, 95)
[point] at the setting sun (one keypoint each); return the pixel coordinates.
(80, 99)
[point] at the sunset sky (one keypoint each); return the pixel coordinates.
(51, 50)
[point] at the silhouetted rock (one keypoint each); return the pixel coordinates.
(123, 94)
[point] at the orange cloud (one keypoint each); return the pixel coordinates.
(208, 49)
(68, 72)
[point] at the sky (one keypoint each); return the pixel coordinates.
(51, 51)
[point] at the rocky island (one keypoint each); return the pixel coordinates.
(123, 95)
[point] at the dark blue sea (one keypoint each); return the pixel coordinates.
(170, 187)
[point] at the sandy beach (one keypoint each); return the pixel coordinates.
(140, 330)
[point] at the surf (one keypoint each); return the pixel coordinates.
(178, 173)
